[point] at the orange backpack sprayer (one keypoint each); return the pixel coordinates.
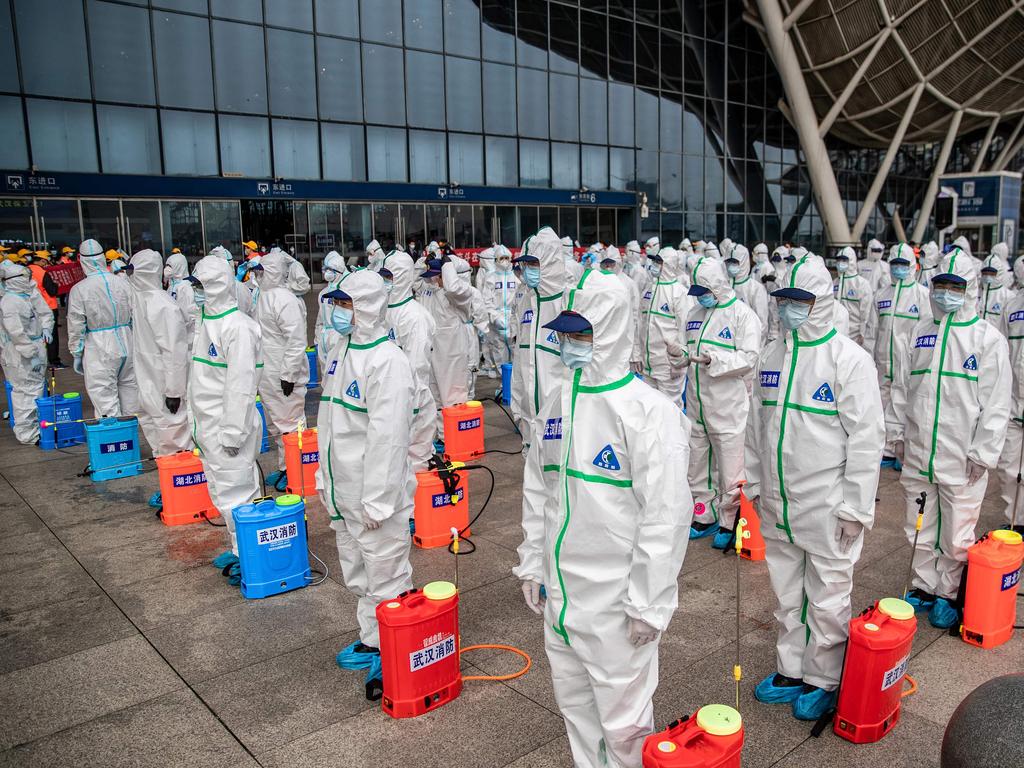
(183, 488)
(301, 460)
(753, 543)
(441, 502)
(464, 430)
(990, 603)
(713, 736)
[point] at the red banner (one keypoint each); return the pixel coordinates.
(65, 275)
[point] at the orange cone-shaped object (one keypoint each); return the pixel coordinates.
(753, 541)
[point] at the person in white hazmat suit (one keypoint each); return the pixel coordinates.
(180, 290)
(100, 335)
(812, 470)
(298, 281)
(499, 293)
(536, 371)
(605, 510)
(411, 327)
(486, 258)
(723, 340)
(899, 308)
(612, 262)
(449, 300)
(161, 359)
(27, 329)
(1018, 274)
(762, 266)
(748, 287)
(856, 294)
(632, 265)
(475, 328)
(325, 337)
(375, 254)
(996, 292)
(244, 295)
(929, 263)
(285, 373)
(873, 269)
(965, 246)
(573, 267)
(948, 415)
(221, 395)
(661, 333)
(365, 477)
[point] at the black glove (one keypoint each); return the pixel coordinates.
(172, 403)
(287, 387)
(446, 259)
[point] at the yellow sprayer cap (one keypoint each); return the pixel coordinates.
(1007, 537)
(474, 403)
(719, 720)
(439, 590)
(289, 499)
(70, 395)
(895, 608)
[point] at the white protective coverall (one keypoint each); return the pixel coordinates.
(282, 318)
(950, 404)
(762, 264)
(632, 265)
(1012, 327)
(816, 444)
(476, 325)
(245, 297)
(722, 345)
(661, 335)
(451, 306)
(965, 245)
(573, 267)
(160, 355)
(298, 281)
(929, 262)
(412, 328)
(1018, 274)
(750, 289)
(873, 269)
(324, 336)
(537, 369)
(365, 478)
(605, 515)
(612, 254)
(27, 323)
(375, 254)
(180, 290)
(995, 294)
(100, 333)
(486, 269)
(899, 309)
(226, 427)
(857, 295)
(499, 293)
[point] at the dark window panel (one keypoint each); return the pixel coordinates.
(647, 126)
(344, 152)
(428, 158)
(622, 8)
(499, 99)
(672, 62)
(184, 81)
(189, 143)
(424, 73)
(621, 170)
(594, 111)
(595, 167)
(240, 66)
(565, 53)
(294, 14)
(63, 136)
(620, 51)
(534, 165)
(386, 155)
(62, 69)
(462, 28)
(463, 94)
(381, 21)
(122, 60)
(242, 10)
(564, 107)
(647, 56)
(499, 30)
(502, 167)
(620, 114)
(245, 145)
(466, 159)
(594, 44)
(532, 25)
(292, 70)
(341, 87)
(648, 11)
(296, 149)
(13, 148)
(565, 166)
(533, 103)
(423, 27)
(383, 73)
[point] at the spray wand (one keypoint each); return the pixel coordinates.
(737, 670)
(917, 532)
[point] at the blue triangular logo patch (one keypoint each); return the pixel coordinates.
(333, 368)
(912, 309)
(665, 307)
(996, 307)
(824, 394)
(553, 337)
(606, 459)
(353, 390)
(971, 363)
(391, 333)
(213, 351)
(725, 333)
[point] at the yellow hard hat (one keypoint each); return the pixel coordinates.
(111, 254)
(42, 254)
(251, 245)
(175, 250)
(24, 251)
(4, 248)
(67, 249)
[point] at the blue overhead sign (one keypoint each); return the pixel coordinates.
(195, 187)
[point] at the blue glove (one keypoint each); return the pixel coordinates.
(47, 336)
(76, 363)
(240, 272)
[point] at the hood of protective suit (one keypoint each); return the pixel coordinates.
(486, 258)
(711, 274)
(403, 275)
(611, 253)
(501, 250)
(958, 262)
(685, 245)
(603, 301)
(742, 255)
(904, 251)
(711, 251)
(546, 246)
(462, 267)
(633, 252)
(851, 254)
(176, 267)
(725, 247)
(369, 303)
(17, 277)
(1018, 270)
(218, 281)
(997, 259)
(147, 271)
(782, 252)
(374, 246)
(275, 270)
(334, 260)
(809, 274)
(568, 248)
(964, 245)
(760, 253)
(671, 264)
(652, 246)
(930, 255)
(93, 264)
(875, 250)
(90, 248)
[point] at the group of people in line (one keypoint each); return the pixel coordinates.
(651, 387)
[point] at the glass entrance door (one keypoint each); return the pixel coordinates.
(268, 222)
(17, 222)
(101, 221)
(140, 224)
(58, 223)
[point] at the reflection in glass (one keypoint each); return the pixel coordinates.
(534, 164)
(508, 225)
(243, 10)
(499, 30)
(547, 216)
(671, 186)
(59, 225)
(606, 225)
(437, 223)
(383, 73)
(588, 226)
(141, 224)
(484, 227)
(13, 149)
(594, 50)
(465, 158)
(528, 219)
(129, 140)
(356, 231)
(338, 17)
(567, 224)
(382, 21)
(646, 120)
(428, 159)
(414, 228)
(385, 153)
(241, 68)
(533, 103)
(296, 149)
(297, 14)
(565, 53)
(462, 28)
(53, 61)
(341, 86)
(425, 74)
(423, 23)
(292, 87)
(620, 114)
(222, 220)
(463, 94)
(565, 166)
(385, 225)
(499, 99)
(462, 227)
(594, 111)
(8, 64)
(324, 233)
(101, 220)
(595, 167)
(502, 168)
(532, 39)
(183, 228)
(620, 169)
(564, 107)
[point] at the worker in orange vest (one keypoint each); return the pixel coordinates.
(47, 286)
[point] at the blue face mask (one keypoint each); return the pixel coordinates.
(947, 301)
(199, 295)
(575, 354)
(792, 314)
(655, 269)
(531, 276)
(901, 272)
(341, 320)
(388, 285)
(732, 269)
(707, 300)
(330, 275)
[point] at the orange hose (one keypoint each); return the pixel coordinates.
(520, 673)
(911, 690)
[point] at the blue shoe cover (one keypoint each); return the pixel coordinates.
(282, 483)
(275, 477)
(921, 601)
(156, 500)
(412, 525)
(234, 574)
(814, 703)
(888, 462)
(767, 692)
(943, 615)
(723, 539)
(897, 465)
(224, 559)
(374, 679)
(439, 446)
(350, 658)
(711, 530)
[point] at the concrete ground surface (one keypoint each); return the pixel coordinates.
(120, 645)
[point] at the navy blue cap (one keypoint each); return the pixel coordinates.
(433, 269)
(793, 293)
(337, 293)
(525, 257)
(989, 268)
(948, 277)
(570, 322)
(899, 260)
(655, 257)
(194, 280)
(385, 273)
(697, 290)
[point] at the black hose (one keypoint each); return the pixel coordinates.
(476, 517)
(497, 402)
